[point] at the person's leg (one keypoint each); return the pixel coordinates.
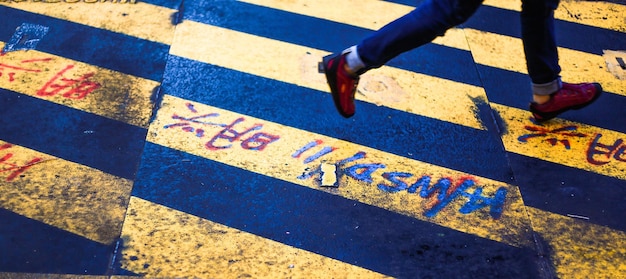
(422, 25)
(429, 20)
(550, 96)
(538, 37)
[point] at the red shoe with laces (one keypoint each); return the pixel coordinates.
(342, 84)
(570, 96)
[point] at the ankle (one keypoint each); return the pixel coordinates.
(354, 64)
(348, 70)
(541, 99)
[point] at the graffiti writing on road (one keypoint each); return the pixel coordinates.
(226, 132)
(9, 70)
(10, 169)
(552, 136)
(61, 83)
(251, 138)
(601, 154)
(440, 193)
(69, 88)
(597, 153)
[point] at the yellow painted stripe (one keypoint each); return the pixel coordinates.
(580, 249)
(10, 275)
(488, 49)
(403, 90)
(140, 20)
(507, 53)
(567, 143)
(78, 85)
(603, 14)
(272, 149)
(63, 194)
(160, 242)
(352, 12)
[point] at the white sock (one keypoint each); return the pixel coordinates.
(353, 60)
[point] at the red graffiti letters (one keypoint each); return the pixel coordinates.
(224, 138)
(69, 88)
(9, 70)
(10, 169)
(600, 154)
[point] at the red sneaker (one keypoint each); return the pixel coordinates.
(570, 96)
(342, 84)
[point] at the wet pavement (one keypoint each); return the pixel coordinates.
(197, 139)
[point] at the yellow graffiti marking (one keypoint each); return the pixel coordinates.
(160, 242)
(66, 195)
(78, 85)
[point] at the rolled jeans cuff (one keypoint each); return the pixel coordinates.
(547, 88)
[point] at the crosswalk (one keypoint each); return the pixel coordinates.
(198, 140)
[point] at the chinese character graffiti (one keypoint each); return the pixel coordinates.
(11, 170)
(597, 153)
(9, 70)
(69, 88)
(251, 138)
(58, 84)
(552, 136)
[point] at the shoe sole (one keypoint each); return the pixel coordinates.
(550, 115)
(332, 82)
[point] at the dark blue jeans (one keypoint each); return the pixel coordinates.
(434, 17)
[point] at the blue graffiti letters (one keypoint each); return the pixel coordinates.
(617, 150)
(363, 172)
(438, 195)
(444, 191)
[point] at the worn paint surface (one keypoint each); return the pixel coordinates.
(142, 20)
(370, 176)
(507, 53)
(78, 85)
(63, 194)
(567, 143)
(402, 90)
(453, 38)
(165, 243)
(579, 249)
(615, 63)
(246, 170)
(604, 14)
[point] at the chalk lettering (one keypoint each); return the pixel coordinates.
(552, 136)
(70, 88)
(224, 138)
(258, 141)
(439, 195)
(363, 172)
(600, 154)
(477, 201)
(13, 169)
(229, 134)
(444, 191)
(10, 70)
